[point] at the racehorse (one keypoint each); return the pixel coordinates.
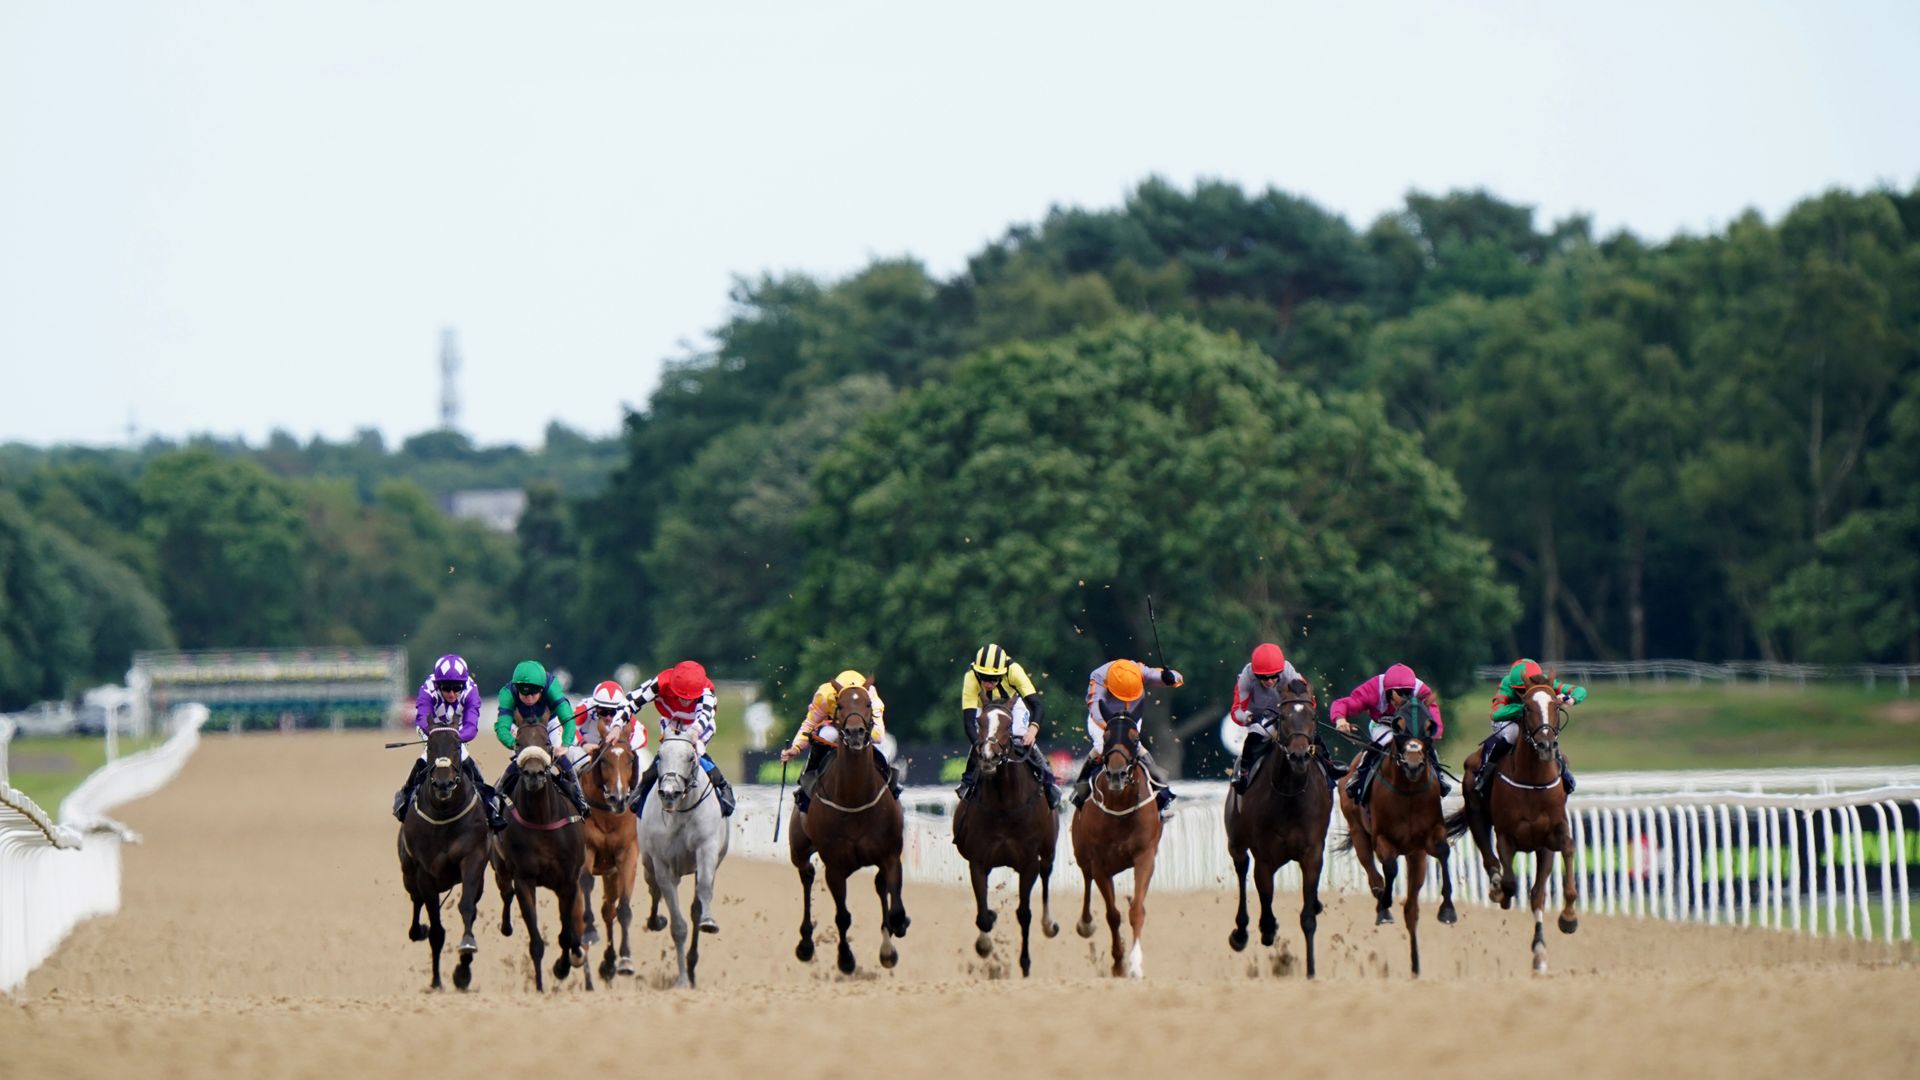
(853, 822)
(1118, 829)
(609, 779)
(1282, 818)
(683, 832)
(541, 847)
(1402, 818)
(1525, 809)
(443, 842)
(1007, 823)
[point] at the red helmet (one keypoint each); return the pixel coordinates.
(1400, 677)
(608, 695)
(1269, 660)
(686, 680)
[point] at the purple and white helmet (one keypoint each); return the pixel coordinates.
(450, 669)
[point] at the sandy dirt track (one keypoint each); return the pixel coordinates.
(263, 933)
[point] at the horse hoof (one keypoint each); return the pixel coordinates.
(591, 937)
(1384, 918)
(1448, 915)
(1084, 929)
(578, 958)
(983, 944)
(1267, 936)
(1050, 928)
(462, 977)
(416, 933)
(624, 967)
(1238, 940)
(708, 926)
(606, 969)
(889, 956)
(657, 923)
(468, 946)
(562, 968)
(846, 960)
(1569, 923)
(1540, 961)
(803, 952)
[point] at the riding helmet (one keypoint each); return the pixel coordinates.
(990, 661)
(1269, 660)
(1124, 680)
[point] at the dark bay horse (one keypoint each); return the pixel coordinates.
(541, 848)
(443, 843)
(1525, 809)
(1402, 818)
(853, 822)
(1118, 829)
(609, 778)
(1007, 823)
(1282, 818)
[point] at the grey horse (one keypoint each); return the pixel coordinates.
(682, 832)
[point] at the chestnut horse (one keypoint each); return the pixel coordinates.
(1007, 823)
(1282, 818)
(1526, 810)
(541, 847)
(1402, 818)
(852, 822)
(443, 843)
(609, 778)
(1118, 829)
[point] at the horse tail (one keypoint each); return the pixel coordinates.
(1457, 823)
(1344, 844)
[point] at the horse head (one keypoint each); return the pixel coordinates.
(616, 768)
(443, 755)
(996, 738)
(1122, 754)
(1292, 727)
(1543, 717)
(530, 751)
(853, 715)
(1410, 743)
(677, 762)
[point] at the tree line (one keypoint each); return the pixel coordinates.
(1454, 436)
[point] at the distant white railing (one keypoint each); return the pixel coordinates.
(1694, 672)
(1819, 864)
(52, 876)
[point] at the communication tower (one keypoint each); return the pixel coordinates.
(449, 379)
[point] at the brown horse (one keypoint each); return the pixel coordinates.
(1007, 823)
(609, 778)
(1118, 829)
(541, 848)
(1525, 809)
(1402, 818)
(1282, 818)
(443, 843)
(853, 822)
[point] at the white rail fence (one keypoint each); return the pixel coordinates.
(1694, 672)
(1835, 863)
(53, 876)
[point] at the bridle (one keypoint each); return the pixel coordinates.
(689, 781)
(1405, 740)
(992, 750)
(1297, 746)
(1122, 744)
(1543, 738)
(608, 741)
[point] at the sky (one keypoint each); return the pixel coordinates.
(231, 217)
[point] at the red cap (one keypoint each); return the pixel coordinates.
(1269, 660)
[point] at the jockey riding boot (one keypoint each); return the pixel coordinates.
(1362, 775)
(1038, 763)
(1154, 772)
(1565, 773)
(489, 799)
(647, 780)
(817, 756)
(1335, 770)
(886, 770)
(1083, 786)
(970, 778)
(1164, 800)
(405, 794)
(1492, 749)
(722, 790)
(570, 787)
(1249, 753)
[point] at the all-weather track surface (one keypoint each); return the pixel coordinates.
(263, 933)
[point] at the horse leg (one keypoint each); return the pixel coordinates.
(1309, 901)
(473, 883)
(623, 877)
(1085, 926)
(589, 930)
(1569, 891)
(1238, 938)
(1537, 899)
(670, 891)
(1113, 925)
(1024, 913)
(1508, 886)
(1363, 849)
(804, 950)
(1383, 892)
(898, 922)
(504, 885)
(436, 938)
(1480, 823)
(536, 945)
(983, 916)
(1263, 872)
(882, 887)
(842, 918)
(655, 921)
(1446, 914)
(1047, 925)
(1137, 913)
(1416, 877)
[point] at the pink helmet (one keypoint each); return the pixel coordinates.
(1400, 677)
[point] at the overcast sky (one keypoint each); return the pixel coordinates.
(230, 217)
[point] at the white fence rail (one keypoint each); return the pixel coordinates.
(53, 876)
(1832, 863)
(1694, 672)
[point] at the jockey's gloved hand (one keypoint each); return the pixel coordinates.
(1171, 677)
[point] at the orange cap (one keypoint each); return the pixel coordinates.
(1124, 681)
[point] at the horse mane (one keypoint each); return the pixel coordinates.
(1297, 690)
(1545, 678)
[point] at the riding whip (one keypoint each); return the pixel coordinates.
(409, 742)
(778, 801)
(1155, 623)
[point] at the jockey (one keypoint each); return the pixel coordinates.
(448, 698)
(1377, 699)
(683, 696)
(1509, 710)
(819, 736)
(534, 695)
(992, 679)
(606, 709)
(1117, 689)
(1257, 689)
